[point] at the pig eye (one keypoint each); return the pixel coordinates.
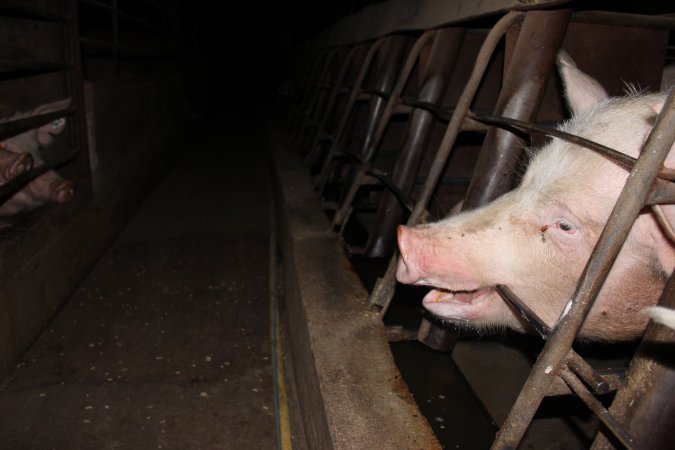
(564, 226)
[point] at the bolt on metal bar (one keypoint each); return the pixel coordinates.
(630, 202)
(576, 362)
(598, 409)
(383, 291)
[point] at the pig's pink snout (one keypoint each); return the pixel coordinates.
(64, 192)
(407, 271)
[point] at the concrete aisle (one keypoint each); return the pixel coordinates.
(166, 344)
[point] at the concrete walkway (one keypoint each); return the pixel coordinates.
(166, 343)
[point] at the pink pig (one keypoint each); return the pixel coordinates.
(48, 187)
(537, 239)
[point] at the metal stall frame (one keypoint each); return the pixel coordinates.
(559, 369)
(114, 45)
(558, 364)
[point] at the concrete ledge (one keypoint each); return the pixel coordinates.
(350, 392)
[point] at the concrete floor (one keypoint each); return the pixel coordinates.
(166, 343)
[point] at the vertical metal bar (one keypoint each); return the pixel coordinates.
(645, 403)
(116, 39)
(444, 53)
(343, 212)
(339, 133)
(530, 67)
(628, 206)
(384, 287)
(598, 409)
(317, 89)
(313, 153)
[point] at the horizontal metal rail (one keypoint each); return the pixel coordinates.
(23, 11)
(625, 19)
(126, 16)
(13, 186)
(114, 47)
(14, 127)
(10, 66)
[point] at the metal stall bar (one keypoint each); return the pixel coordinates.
(385, 73)
(338, 86)
(346, 113)
(440, 63)
(644, 404)
(532, 62)
(551, 361)
(318, 90)
(384, 287)
(342, 213)
(305, 89)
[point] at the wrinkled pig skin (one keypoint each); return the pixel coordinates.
(537, 238)
(49, 187)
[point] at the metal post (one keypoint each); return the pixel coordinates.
(645, 402)
(383, 291)
(442, 58)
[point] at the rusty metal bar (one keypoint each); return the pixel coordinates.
(311, 110)
(531, 65)
(8, 66)
(17, 183)
(305, 95)
(353, 96)
(576, 362)
(385, 82)
(625, 19)
(645, 404)
(441, 63)
(313, 153)
(21, 9)
(14, 127)
(598, 409)
(628, 206)
(620, 158)
(343, 212)
(383, 291)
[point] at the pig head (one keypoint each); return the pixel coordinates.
(537, 239)
(19, 153)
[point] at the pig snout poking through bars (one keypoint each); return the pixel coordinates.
(537, 238)
(19, 153)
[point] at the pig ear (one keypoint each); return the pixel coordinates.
(46, 133)
(581, 91)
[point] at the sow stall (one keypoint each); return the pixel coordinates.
(398, 112)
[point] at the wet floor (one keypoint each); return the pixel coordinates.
(166, 343)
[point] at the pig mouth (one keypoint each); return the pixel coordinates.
(461, 304)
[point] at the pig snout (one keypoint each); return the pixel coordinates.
(64, 192)
(14, 164)
(408, 270)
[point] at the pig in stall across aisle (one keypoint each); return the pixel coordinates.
(537, 238)
(19, 153)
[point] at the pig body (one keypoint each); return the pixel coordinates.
(27, 147)
(537, 239)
